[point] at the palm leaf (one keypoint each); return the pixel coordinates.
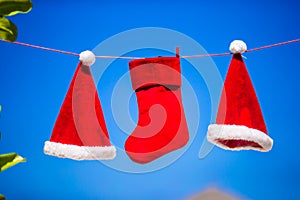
(12, 7)
(2, 197)
(8, 30)
(9, 160)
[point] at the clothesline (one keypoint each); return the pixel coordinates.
(133, 58)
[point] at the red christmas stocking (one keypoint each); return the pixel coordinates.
(161, 125)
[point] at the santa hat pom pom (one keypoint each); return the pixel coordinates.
(237, 46)
(87, 58)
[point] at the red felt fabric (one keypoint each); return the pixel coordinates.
(80, 121)
(239, 104)
(161, 125)
(154, 71)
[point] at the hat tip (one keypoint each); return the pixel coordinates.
(87, 58)
(237, 46)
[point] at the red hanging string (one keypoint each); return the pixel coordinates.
(273, 45)
(207, 55)
(43, 48)
(133, 58)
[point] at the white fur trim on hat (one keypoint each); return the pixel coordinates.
(238, 132)
(237, 46)
(79, 152)
(87, 58)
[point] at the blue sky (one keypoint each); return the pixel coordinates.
(33, 84)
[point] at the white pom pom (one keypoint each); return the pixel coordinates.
(87, 58)
(237, 46)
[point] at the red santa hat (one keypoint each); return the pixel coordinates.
(239, 124)
(80, 132)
